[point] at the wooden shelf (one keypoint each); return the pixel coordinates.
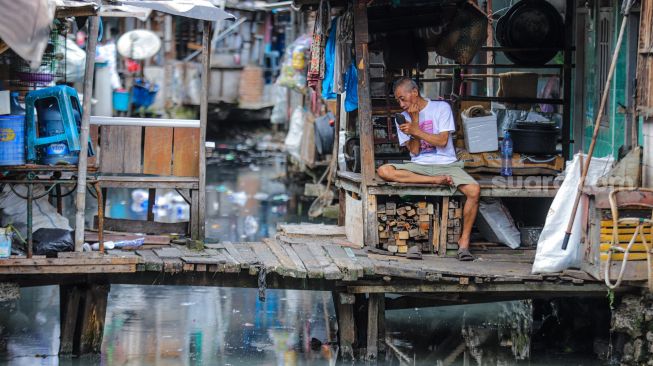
(350, 181)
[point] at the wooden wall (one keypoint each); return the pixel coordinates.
(645, 87)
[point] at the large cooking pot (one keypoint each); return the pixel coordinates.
(531, 24)
(534, 138)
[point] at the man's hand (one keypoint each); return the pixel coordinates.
(412, 110)
(410, 128)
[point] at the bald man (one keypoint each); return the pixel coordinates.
(429, 126)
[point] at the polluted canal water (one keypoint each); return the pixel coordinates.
(184, 325)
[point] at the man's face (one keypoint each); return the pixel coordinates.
(406, 96)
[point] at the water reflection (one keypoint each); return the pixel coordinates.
(245, 202)
(167, 325)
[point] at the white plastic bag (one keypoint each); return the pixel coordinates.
(496, 224)
(13, 211)
(550, 257)
(279, 114)
(75, 62)
(295, 131)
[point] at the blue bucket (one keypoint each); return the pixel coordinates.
(143, 93)
(12, 140)
(121, 101)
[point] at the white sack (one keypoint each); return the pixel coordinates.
(13, 210)
(295, 131)
(550, 257)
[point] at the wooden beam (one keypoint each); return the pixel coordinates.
(454, 287)
(366, 132)
(142, 226)
(204, 108)
(444, 211)
(365, 128)
(570, 16)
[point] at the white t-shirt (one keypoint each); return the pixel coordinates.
(436, 117)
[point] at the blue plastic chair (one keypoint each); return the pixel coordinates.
(67, 101)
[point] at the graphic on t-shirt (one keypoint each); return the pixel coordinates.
(435, 118)
(425, 147)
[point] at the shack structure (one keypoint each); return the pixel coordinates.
(324, 257)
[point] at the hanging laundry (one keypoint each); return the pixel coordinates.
(316, 62)
(344, 43)
(351, 87)
(329, 62)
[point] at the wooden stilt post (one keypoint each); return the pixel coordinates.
(366, 133)
(69, 297)
(346, 324)
(83, 309)
(92, 319)
(204, 110)
(374, 336)
(381, 323)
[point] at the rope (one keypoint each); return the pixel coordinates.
(614, 245)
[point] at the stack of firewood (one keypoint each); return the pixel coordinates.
(406, 224)
(454, 223)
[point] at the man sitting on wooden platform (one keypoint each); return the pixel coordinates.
(427, 134)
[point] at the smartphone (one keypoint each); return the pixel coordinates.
(400, 119)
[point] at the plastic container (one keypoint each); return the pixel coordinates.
(143, 93)
(530, 235)
(5, 102)
(121, 100)
(16, 108)
(506, 155)
(480, 133)
(51, 124)
(5, 243)
(535, 138)
(12, 140)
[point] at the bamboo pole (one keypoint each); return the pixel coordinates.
(597, 122)
(94, 23)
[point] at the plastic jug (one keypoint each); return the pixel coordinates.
(5, 243)
(16, 108)
(506, 155)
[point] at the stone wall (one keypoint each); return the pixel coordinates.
(632, 327)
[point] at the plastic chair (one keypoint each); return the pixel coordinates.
(67, 102)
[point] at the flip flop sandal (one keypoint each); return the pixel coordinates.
(414, 252)
(464, 255)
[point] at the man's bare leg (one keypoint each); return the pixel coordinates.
(472, 193)
(390, 173)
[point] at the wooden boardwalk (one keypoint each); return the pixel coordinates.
(311, 257)
(303, 257)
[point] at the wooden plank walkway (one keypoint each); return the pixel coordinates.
(309, 261)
